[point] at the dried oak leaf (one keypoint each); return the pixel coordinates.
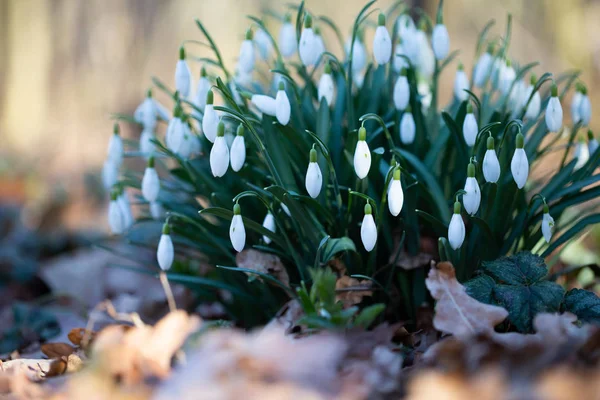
(349, 290)
(455, 311)
(77, 336)
(264, 263)
(57, 350)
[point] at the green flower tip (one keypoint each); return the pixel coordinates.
(490, 143)
(408, 109)
(554, 90)
(249, 34)
(403, 72)
(288, 18)
(240, 130)
(307, 21)
(469, 108)
(151, 162)
(327, 68)
(590, 134)
(210, 97)
(313, 155)
(281, 85)
(393, 163)
(360, 35)
(181, 53)
(116, 129)
(362, 133)
(237, 210)
(533, 79)
(490, 48)
(583, 90)
(520, 141)
(422, 25)
(203, 72)
(114, 195)
(457, 207)
(471, 170)
(508, 62)
(149, 93)
(397, 174)
(317, 30)
(461, 67)
(381, 19)
(177, 111)
(221, 129)
(166, 230)
(368, 209)
(546, 209)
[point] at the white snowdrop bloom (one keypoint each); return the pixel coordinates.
(359, 53)
(461, 82)
(368, 230)
(592, 142)
(189, 143)
(165, 252)
(319, 43)
(219, 154)
(507, 77)
(359, 79)
(147, 148)
(246, 58)
(519, 165)
(395, 195)
(308, 44)
(491, 165)
(116, 221)
(146, 113)
(202, 89)
(456, 228)
(585, 107)
(483, 68)
(575, 105)
(326, 87)
(362, 155)
(399, 62)
(535, 105)
(263, 43)
(407, 127)
(407, 32)
(175, 129)
(115, 147)
(497, 67)
(470, 127)
(238, 150)
(269, 223)
(210, 121)
(314, 178)
(283, 109)
(472, 198)
(582, 154)
(554, 112)
(287, 38)
(516, 97)
(150, 182)
(425, 56)
(237, 232)
(405, 26)
(183, 76)
(156, 210)
(401, 92)
(382, 43)
(161, 111)
(440, 41)
(265, 104)
(424, 91)
(110, 174)
(194, 144)
(547, 224)
(125, 207)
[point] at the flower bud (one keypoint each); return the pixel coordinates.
(183, 76)
(362, 155)
(592, 143)
(491, 165)
(401, 92)
(326, 86)
(115, 147)
(165, 252)
(263, 43)
(519, 166)
(238, 150)
(125, 208)
(219, 154)
(110, 174)
(483, 68)
(269, 223)
(157, 211)
(507, 77)
(582, 154)
(202, 89)
(585, 107)
(147, 147)
(314, 178)
(287, 38)
(461, 82)
(407, 127)
(237, 233)
(308, 44)
(359, 54)
(116, 221)
(554, 112)
(440, 41)
(470, 128)
(282, 105)
(150, 182)
(368, 230)
(547, 224)
(472, 198)
(456, 228)
(382, 43)
(535, 105)
(395, 195)
(210, 120)
(246, 58)
(265, 104)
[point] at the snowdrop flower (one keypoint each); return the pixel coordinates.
(582, 154)
(519, 166)
(359, 79)
(308, 44)
(585, 107)
(238, 150)
(368, 230)
(269, 223)
(395, 195)
(407, 127)
(165, 252)
(210, 121)
(483, 67)
(150, 182)
(470, 127)
(282, 105)
(535, 105)
(547, 223)
(507, 77)
(219, 154)
(156, 210)
(398, 61)
(115, 147)
(425, 56)
(125, 207)
(188, 143)
(362, 155)
(456, 229)
(265, 104)
(116, 221)
(183, 76)
(147, 148)
(202, 89)
(287, 38)
(554, 112)
(440, 41)
(359, 53)
(314, 178)
(110, 174)
(461, 82)
(592, 142)
(326, 86)
(472, 198)
(382, 43)
(174, 135)
(146, 113)
(401, 92)
(576, 104)
(237, 233)
(263, 43)
(319, 43)
(491, 165)
(497, 68)
(406, 26)
(246, 58)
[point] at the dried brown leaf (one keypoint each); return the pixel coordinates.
(57, 350)
(263, 262)
(350, 291)
(76, 336)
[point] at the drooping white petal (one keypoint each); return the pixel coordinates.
(116, 221)
(401, 93)
(282, 107)
(146, 114)
(161, 111)
(547, 227)
(269, 223)
(246, 58)
(582, 155)
(519, 166)
(265, 104)
(362, 159)
(359, 79)
(470, 129)
(554, 115)
(157, 211)
(456, 231)
(395, 197)
(368, 232)
(359, 54)
(535, 105)
(472, 198)
(308, 47)
(382, 45)
(326, 89)
(237, 233)
(210, 121)
(314, 180)
(165, 252)
(440, 41)
(516, 97)
(187, 143)
(202, 89)
(175, 132)
(263, 43)
(482, 69)
(150, 185)
(426, 58)
(238, 153)
(183, 79)
(407, 128)
(575, 107)
(125, 207)
(147, 148)
(592, 146)
(319, 46)
(585, 110)
(507, 76)
(110, 174)
(398, 61)
(219, 157)
(491, 166)
(461, 82)
(115, 149)
(287, 40)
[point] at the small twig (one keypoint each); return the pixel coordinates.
(168, 292)
(107, 306)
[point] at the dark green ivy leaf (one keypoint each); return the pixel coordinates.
(584, 304)
(480, 288)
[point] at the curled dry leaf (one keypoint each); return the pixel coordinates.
(57, 350)
(350, 291)
(77, 336)
(264, 263)
(456, 312)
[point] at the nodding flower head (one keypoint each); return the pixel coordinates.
(115, 147)
(547, 223)
(165, 252)
(395, 195)
(362, 155)
(401, 91)
(287, 37)
(491, 165)
(470, 127)
(472, 197)
(407, 127)
(269, 223)
(183, 76)
(461, 82)
(554, 111)
(585, 107)
(219, 154)
(246, 58)
(237, 232)
(238, 150)
(456, 228)
(308, 46)
(326, 86)
(368, 229)
(314, 178)
(519, 165)
(440, 41)
(283, 108)
(210, 120)
(382, 43)
(150, 182)
(116, 219)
